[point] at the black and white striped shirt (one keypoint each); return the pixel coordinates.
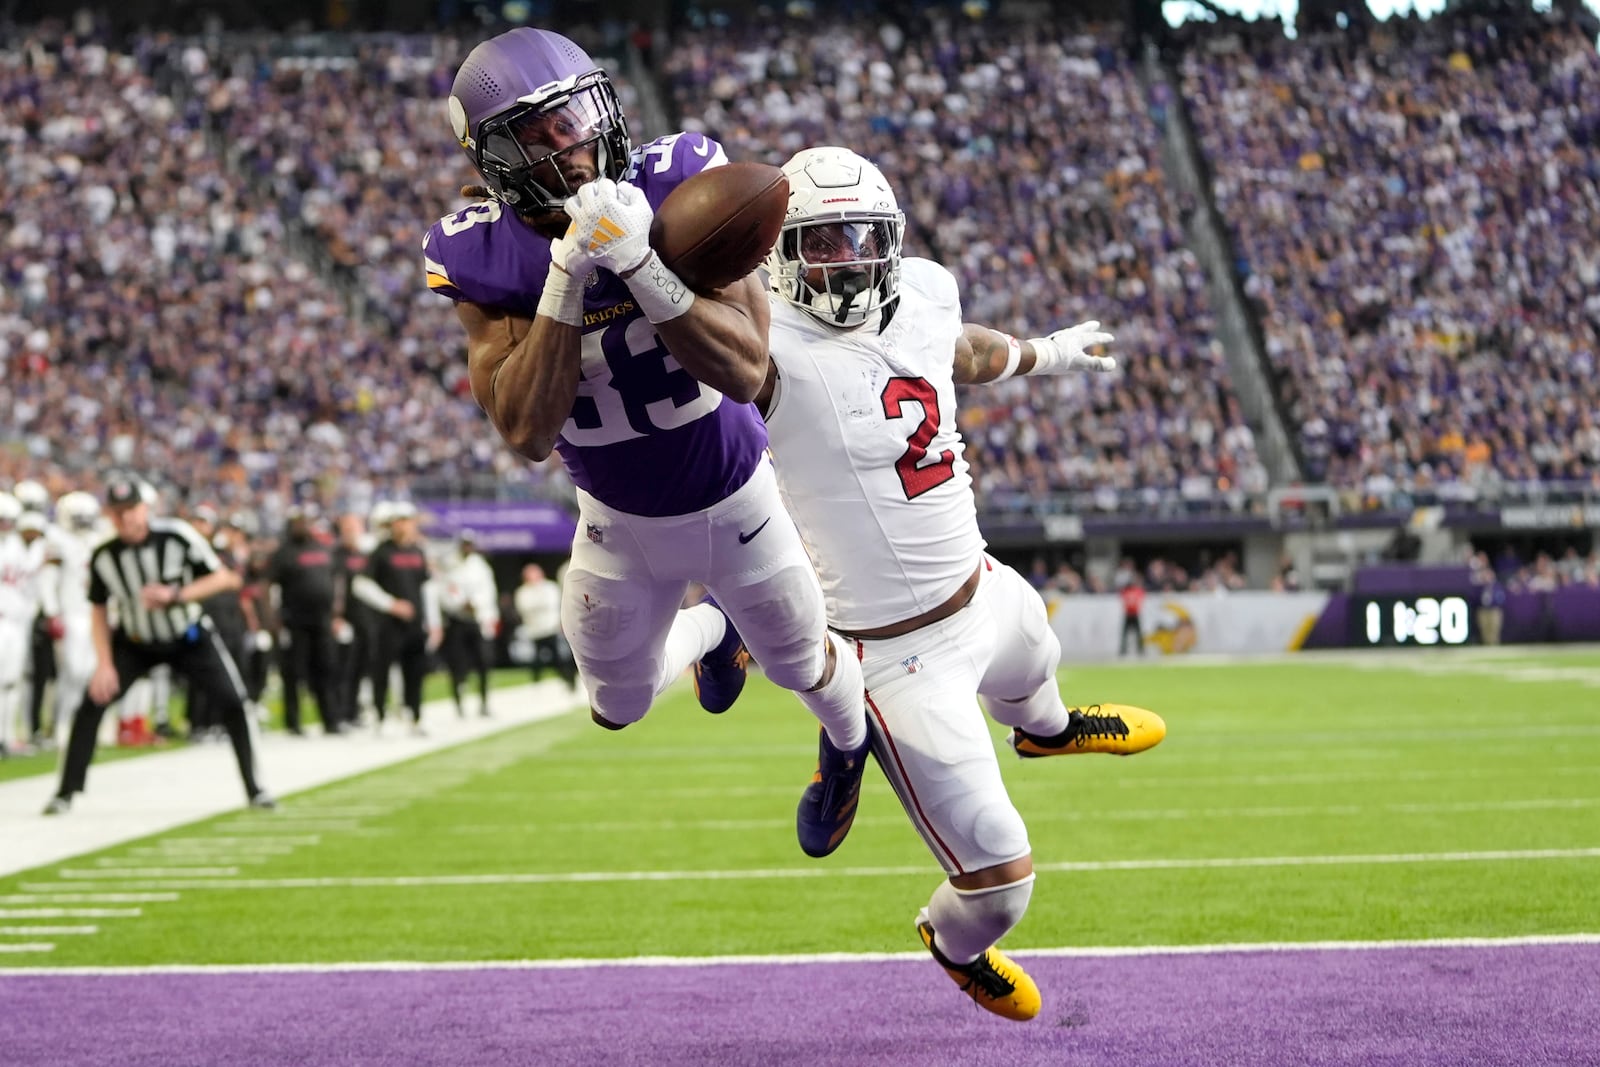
(174, 554)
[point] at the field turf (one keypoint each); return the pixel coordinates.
(1341, 798)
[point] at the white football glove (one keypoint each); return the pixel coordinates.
(567, 257)
(1063, 351)
(611, 224)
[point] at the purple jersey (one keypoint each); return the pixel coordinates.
(644, 436)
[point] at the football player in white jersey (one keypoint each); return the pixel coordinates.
(860, 401)
(19, 604)
(78, 531)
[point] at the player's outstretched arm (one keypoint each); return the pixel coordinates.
(720, 338)
(524, 374)
(986, 355)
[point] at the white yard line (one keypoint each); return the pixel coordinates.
(785, 873)
(46, 931)
(1446, 943)
(88, 898)
(40, 946)
(70, 913)
(134, 798)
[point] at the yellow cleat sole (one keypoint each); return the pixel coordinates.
(1019, 1003)
(1146, 730)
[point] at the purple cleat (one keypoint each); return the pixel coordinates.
(828, 806)
(719, 675)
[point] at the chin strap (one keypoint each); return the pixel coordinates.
(851, 285)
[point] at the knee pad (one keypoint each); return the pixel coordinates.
(782, 621)
(967, 922)
(617, 695)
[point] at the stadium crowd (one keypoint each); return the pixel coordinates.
(1416, 211)
(154, 316)
(157, 309)
(1027, 160)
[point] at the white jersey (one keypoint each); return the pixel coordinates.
(62, 560)
(19, 578)
(863, 433)
(467, 590)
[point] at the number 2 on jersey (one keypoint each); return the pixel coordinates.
(914, 476)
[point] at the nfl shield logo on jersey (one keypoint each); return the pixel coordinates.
(912, 664)
(596, 534)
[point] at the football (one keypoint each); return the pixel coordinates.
(720, 224)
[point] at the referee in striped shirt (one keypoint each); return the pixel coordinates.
(151, 576)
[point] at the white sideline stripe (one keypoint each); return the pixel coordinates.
(70, 913)
(24, 946)
(1090, 952)
(136, 798)
(759, 874)
(149, 872)
(45, 931)
(88, 898)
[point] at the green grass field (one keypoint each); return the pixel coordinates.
(1400, 798)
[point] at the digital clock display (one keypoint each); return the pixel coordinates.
(1418, 620)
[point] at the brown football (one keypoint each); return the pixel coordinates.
(720, 224)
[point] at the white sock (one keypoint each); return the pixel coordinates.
(1043, 714)
(967, 922)
(695, 631)
(840, 706)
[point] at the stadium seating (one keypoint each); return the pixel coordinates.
(1415, 216)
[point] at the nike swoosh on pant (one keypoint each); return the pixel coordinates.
(746, 538)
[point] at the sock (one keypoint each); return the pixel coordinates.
(695, 631)
(841, 704)
(967, 922)
(1043, 714)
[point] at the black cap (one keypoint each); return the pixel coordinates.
(122, 491)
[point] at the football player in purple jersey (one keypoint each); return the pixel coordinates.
(582, 341)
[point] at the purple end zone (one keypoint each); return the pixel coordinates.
(1452, 1007)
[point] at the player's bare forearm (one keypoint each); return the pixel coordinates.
(524, 374)
(981, 355)
(722, 339)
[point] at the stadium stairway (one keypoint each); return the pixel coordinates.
(136, 797)
(1237, 328)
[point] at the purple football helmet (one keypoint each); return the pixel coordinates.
(527, 106)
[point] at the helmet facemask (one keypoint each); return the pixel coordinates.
(840, 269)
(535, 155)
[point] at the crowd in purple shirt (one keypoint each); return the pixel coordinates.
(154, 314)
(1417, 217)
(1027, 162)
(1418, 220)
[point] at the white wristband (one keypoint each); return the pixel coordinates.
(661, 294)
(1013, 357)
(562, 298)
(1046, 357)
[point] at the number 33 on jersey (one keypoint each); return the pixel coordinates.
(644, 436)
(888, 402)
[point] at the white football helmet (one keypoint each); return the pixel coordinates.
(10, 511)
(32, 496)
(838, 255)
(78, 511)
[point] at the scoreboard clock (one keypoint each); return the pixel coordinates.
(1413, 620)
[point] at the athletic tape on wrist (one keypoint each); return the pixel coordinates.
(1047, 356)
(660, 293)
(1013, 357)
(562, 298)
